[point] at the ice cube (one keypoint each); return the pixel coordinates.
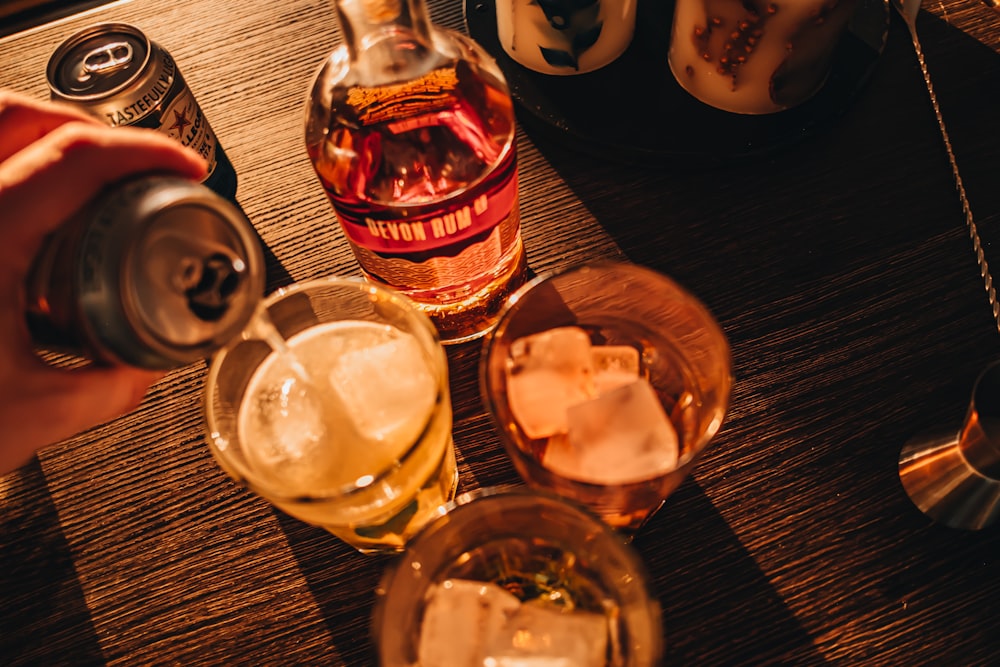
(564, 349)
(623, 436)
(542, 636)
(547, 373)
(460, 620)
(285, 437)
(387, 388)
(614, 366)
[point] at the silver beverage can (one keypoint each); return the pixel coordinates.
(118, 74)
(156, 272)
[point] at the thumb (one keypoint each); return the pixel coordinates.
(54, 404)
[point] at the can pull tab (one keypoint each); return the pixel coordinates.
(211, 282)
(108, 58)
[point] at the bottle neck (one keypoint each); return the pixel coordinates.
(385, 31)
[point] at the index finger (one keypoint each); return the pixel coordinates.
(25, 120)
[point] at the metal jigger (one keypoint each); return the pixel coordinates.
(955, 479)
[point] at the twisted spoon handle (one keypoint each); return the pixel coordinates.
(977, 245)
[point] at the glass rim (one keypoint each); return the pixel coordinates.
(343, 492)
(520, 491)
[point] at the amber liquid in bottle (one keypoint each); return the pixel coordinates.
(411, 132)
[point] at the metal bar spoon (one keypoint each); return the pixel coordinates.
(954, 478)
(908, 10)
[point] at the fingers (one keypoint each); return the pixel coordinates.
(52, 178)
(24, 120)
(53, 404)
(53, 160)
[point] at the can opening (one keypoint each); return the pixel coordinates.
(106, 59)
(218, 279)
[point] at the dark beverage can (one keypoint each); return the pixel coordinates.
(156, 272)
(118, 74)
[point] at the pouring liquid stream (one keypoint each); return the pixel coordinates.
(908, 10)
(262, 328)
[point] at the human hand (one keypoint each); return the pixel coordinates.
(53, 160)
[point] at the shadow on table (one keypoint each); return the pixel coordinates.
(709, 586)
(706, 582)
(43, 611)
(275, 273)
(342, 583)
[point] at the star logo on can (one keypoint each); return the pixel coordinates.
(180, 121)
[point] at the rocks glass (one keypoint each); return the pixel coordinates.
(606, 383)
(513, 577)
(334, 406)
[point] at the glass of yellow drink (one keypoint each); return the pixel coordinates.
(334, 406)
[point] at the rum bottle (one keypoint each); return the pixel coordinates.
(410, 128)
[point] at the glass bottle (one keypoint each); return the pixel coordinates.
(410, 128)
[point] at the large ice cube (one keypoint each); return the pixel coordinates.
(285, 436)
(565, 349)
(541, 636)
(614, 366)
(547, 373)
(623, 436)
(387, 388)
(460, 620)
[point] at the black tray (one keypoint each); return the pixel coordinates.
(634, 110)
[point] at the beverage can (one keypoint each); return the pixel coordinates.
(119, 75)
(156, 272)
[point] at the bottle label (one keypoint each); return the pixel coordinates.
(385, 232)
(384, 104)
(142, 107)
(184, 121)
(168, 105)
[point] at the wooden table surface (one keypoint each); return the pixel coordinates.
(840, 269)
